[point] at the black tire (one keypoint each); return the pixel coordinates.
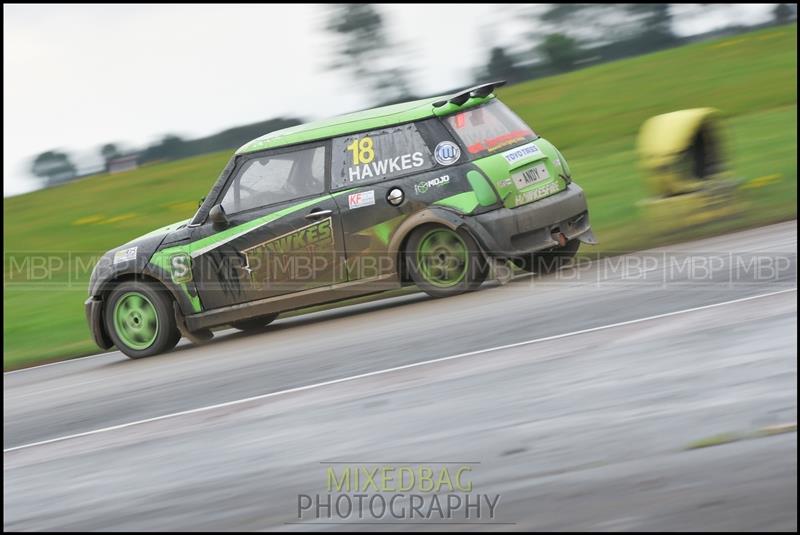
(166, 331)
(473, 269)
(252, 324)
(549, 260)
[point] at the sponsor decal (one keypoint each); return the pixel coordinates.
(302, 246)
(181, 264)
(125, 255)
(305, 239)
(497, 143)
(446, 153)
(379, 155)
(508, 139)
(308, 238)
(437, 182)
(538, 193)
(361, 199)
(504, 183)
(518, 154)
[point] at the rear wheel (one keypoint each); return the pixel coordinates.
(252, 324)
(549, 260)
(140, 319)
(444, 262)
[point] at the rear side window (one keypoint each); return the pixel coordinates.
(273, 179)
(378, 155)
(486, 129)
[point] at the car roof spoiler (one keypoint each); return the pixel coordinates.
(483, 90)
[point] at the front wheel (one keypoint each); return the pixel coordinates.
(140, 319)
(444, 262)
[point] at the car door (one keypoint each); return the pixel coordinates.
(283, 233)
(369, 167)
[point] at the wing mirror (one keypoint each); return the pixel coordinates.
(218, 217)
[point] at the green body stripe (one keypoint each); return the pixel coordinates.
(162, 257)
(240, 230)
(195, 299)
(244, 228)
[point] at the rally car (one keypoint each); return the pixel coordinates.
(425, 192)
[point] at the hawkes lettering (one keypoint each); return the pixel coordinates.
(306, 238)
(387, 166)
(304, 246)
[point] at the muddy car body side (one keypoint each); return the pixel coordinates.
(354, 192)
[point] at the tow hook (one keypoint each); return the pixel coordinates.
(560, 238)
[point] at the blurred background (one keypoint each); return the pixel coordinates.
(117, 119)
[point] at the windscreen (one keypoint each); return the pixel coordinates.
(489, 128)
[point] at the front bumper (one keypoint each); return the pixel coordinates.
(529, 228)
(94, 316)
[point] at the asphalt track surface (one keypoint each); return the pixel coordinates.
(575, 397)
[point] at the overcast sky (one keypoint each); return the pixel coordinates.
(77, 76)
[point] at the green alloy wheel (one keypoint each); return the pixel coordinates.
(444, 261)
(135, 320)
(442, 257)
(140, 319)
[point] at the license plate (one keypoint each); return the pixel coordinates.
(530, 176)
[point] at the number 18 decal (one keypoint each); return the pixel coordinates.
(363, 151)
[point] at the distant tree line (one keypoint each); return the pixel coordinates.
(562, 38)
(55, 167)
(172, 147)
(571, 36)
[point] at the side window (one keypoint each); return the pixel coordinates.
(378, 155)
(273, 179)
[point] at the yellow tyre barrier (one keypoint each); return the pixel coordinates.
(682, 156)
(681, 151)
